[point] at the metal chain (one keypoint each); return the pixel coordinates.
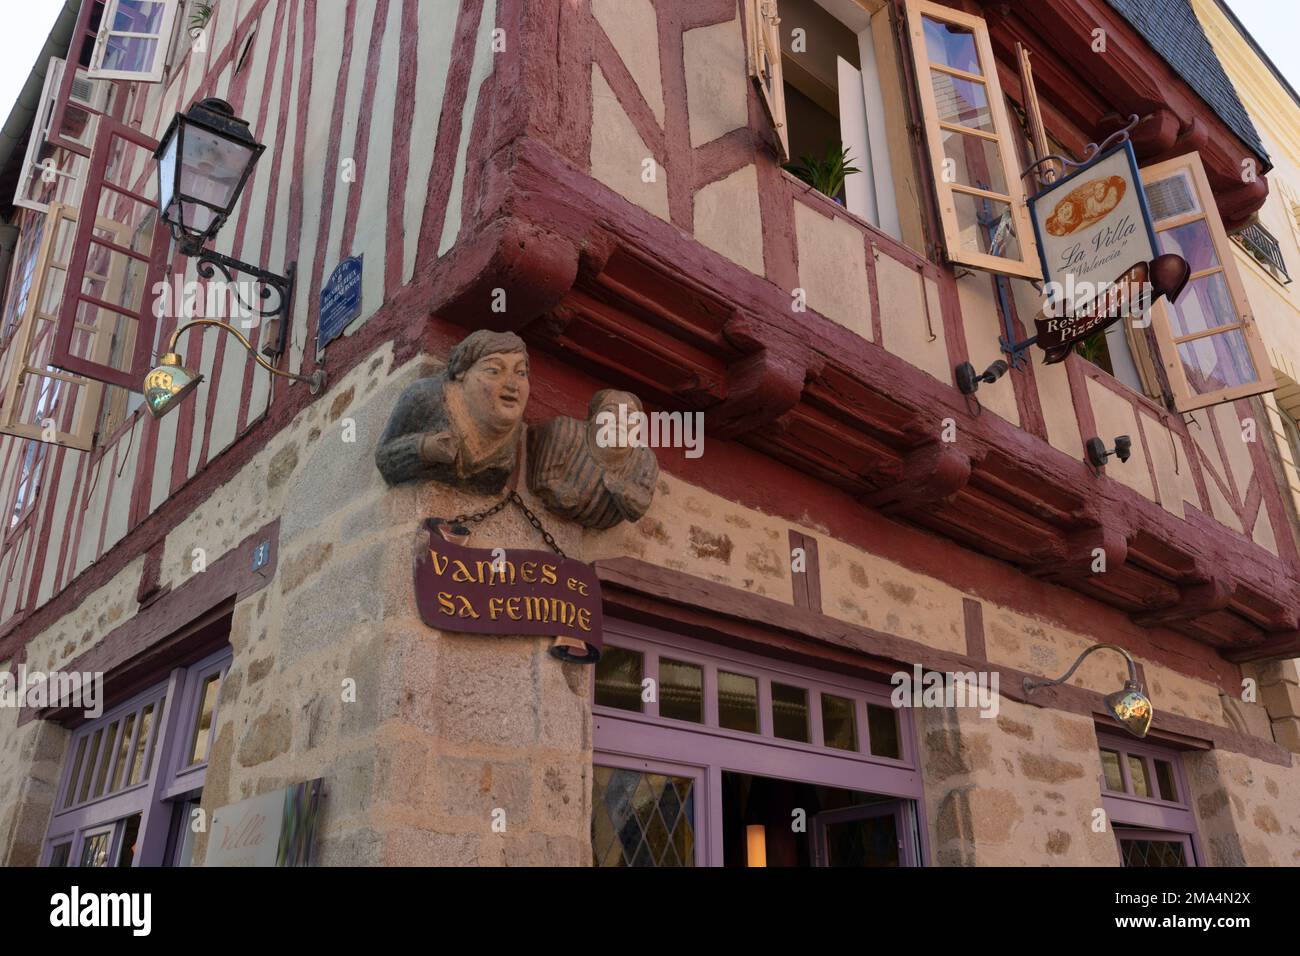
(497, 508)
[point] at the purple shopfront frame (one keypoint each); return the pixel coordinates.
(1149, 818)
(647, 742)
(166, 781)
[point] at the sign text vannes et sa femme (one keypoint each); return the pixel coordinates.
(493, 591)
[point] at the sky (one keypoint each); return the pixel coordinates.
(1275, 25)
(26, 25)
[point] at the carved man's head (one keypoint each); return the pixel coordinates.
(604, 420)
(492, 369)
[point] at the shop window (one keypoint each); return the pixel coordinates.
(1145, 796)
(708, 770)
(130, 779)
(40, 402)
(1208, 342)
(815, 67)
(134, 40)
(971, 144)
(107, 326)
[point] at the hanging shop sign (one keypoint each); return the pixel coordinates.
(1131, 295)
(1091, 226)
(274, 829)
(340, 301)
(506, 591)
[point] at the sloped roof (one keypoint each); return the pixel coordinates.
(1173, 31)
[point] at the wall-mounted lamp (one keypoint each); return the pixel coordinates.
(1129, 705)
(204, 162)
(968, 382)
(167, 385)
(1098, 454)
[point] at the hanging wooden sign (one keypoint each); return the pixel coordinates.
(506, 591)
(1131, 295)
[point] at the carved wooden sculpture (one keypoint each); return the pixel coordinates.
(597, 484)
(461, 426)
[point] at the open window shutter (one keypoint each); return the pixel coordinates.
(35, 394)
(764, 54)
(55, 165)
(31, 180)
(1209, 345)
(982, 205)
(133, 39)
(107, 326)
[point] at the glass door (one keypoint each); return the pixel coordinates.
(645, 813)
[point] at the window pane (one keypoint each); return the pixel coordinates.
(963, 102)
(789, 712)
(130, 831)
(1153, 853)
(88, 770)
(1167, 198)
(1137, 772)
(139, 766)
(59, 855)
(951, 45)
(985, 226)
(133, 54)
(882, 728)
(139, 16)
(123, 753)
(641, 819)
(71, 796)
(1204, 304)
(1217, 362)
(1193, 242)
(681, 690)
(737, 702)
(203, 719)
(618, 678)
(1110, 768)
(94, 850)
(839, 723)
(101, 776)
(974, 161)
(1165, 781)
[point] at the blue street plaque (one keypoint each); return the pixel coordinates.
(340, 301)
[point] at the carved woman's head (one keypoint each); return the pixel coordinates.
(492, 370)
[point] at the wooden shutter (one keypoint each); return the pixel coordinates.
(1209, 344)
(133, 39)
(982, 205)
(763, 50)
(107, 324)
(35, 393)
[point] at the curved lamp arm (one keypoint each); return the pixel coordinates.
(316, 380)
(1031, 685)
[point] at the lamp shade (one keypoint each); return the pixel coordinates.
(1132, 708)
(204, 161)
(168, 384)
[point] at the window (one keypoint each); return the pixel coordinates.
(834, 107)
(40, 402)
(132, 777)
(133, 42)
(706, 768)
(107, 326)
(52, 172)
(1209, 345)
(28, 489)
(1264, 248)
(972, 151)
(1145, 796)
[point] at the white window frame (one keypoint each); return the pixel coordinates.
(164, 37)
